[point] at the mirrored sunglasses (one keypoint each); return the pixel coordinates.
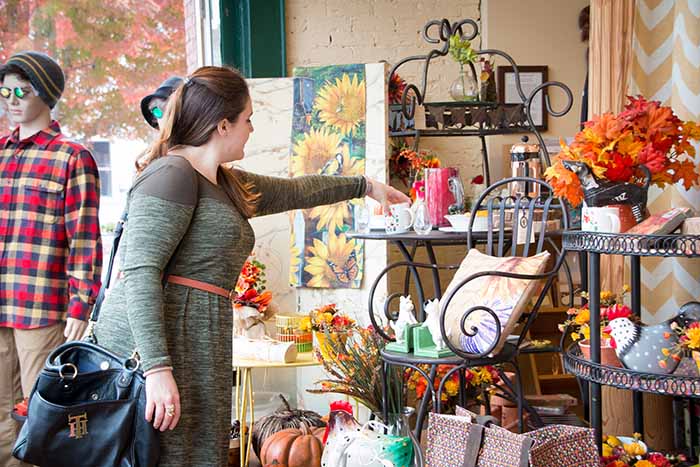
(18, 92)
(157, 112)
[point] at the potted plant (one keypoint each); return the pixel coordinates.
(578, 324)
(618, 149)
(464, 88)
(329, 326)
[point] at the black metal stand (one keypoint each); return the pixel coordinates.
(634, 246)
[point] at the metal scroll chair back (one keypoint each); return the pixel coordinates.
(516, 225)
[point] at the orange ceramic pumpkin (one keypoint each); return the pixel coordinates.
(294, 447)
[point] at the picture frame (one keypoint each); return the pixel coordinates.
(530, 77)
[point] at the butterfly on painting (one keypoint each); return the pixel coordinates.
(347, 272)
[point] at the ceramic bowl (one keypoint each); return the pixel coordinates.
(460, 222)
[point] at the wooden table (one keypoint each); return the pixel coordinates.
(244, 393)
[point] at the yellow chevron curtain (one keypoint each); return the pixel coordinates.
(666, 67)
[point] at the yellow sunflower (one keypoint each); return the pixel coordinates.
(314, 150)
(333, 216)
(294, 260)
(342, 105)
(335, 264)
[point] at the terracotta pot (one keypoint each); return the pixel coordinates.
(696, 358)
(608, 357)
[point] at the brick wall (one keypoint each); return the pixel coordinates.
(324, 32)
(191, 34)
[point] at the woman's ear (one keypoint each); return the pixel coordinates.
(222, 127)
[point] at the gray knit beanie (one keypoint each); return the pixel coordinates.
(43, 72)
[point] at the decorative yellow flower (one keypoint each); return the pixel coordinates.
(305, 324)
(451, 387)
(314, 150)
(644, 463)
(583, 317)
(342, 105)
(333, 264)
(606, 296)
(294, 259)
(693, 338)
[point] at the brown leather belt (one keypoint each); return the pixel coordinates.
(195, 284)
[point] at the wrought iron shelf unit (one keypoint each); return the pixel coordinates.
(687, 246)
(635, 247)
(468, 118)
(622, 378)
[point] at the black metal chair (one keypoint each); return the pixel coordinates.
(517, 226)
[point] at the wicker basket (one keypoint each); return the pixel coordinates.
(288, 331)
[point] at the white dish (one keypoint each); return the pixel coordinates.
(377, 222)
(451, 229)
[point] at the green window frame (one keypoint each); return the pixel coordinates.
(253, 37)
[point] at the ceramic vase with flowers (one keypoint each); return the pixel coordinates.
(331, 329)
(252, 303)
(612, 159)
(579, 319)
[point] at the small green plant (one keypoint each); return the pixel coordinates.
(461, 50)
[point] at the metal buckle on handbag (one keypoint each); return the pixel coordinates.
(133, 362)
(68, 365)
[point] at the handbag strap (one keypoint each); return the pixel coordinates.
(476, 436)
(475, 440)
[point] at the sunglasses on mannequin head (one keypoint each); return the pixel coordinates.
(20, 93)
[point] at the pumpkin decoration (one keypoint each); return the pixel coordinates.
(284, 417)
(294, 447)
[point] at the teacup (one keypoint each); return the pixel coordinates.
(611, 219)
(399, 219)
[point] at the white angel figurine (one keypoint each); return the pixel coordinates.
(406, 317)
(247, 321)
(432, 322)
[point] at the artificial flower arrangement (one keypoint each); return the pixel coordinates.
(480, 382)
(614, 147)
(353, 365)
(396, 87)
(622, 452)
(688, 341)
(326, 318)
(611, 307)
(407, 164)
(250, 287)
(252, 303)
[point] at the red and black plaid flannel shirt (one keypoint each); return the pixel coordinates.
(50, 248)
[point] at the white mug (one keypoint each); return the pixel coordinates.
(600, 219)
(399, 219)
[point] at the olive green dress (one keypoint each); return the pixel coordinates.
(190, 329)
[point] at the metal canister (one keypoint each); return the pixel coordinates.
(525, 162)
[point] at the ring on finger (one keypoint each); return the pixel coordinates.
(170, 410)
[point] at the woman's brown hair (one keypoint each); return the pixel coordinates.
(193, 111)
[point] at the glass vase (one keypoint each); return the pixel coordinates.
(464, 87)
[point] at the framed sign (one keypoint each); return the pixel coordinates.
(530, 78)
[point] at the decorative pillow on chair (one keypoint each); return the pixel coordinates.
(507, 297)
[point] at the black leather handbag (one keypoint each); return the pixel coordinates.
(87, 406)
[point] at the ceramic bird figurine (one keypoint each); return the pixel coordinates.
(639, 347)
(432, 322)
(349, 444)
(406, 317)
(600, 193)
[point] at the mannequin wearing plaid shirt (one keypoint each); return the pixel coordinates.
(50, 249)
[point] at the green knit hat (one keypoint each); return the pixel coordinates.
(43, 72)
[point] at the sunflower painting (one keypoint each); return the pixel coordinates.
(328, 138)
